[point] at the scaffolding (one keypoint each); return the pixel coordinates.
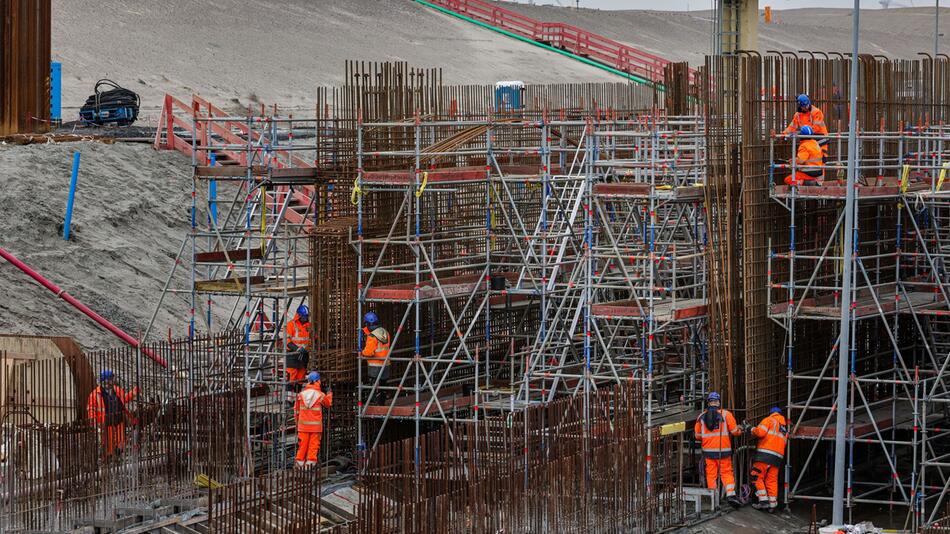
(525, 260)
(897, 402)
(255, 195)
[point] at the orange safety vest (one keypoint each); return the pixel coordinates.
(809, 154)
(298, 333)
(773, 435)
(377, 346)
(96, 405)
(308, 408)
(813, 117)
(716, 443)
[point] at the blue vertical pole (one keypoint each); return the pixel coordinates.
(56, 91)
(72, 196)
(213, 222)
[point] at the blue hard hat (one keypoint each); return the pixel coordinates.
(776, 409)
(313, 376)
(370, 318)
(713, 396)
(803, 101)
(106, 374)
(806, 130)
(303, 310)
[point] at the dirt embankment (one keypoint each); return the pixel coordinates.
(130, 216)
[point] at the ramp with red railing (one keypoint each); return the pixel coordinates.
(176, 127)
(562, 36)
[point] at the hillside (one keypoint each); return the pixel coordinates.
(242, 51)
(129, 219)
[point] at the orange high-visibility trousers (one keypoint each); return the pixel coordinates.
(308, 447)
(296, 375)
(113, 439)
(765, 479)
(720, 468)
(800, 178)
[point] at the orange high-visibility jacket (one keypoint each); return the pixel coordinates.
(298, 332)
(813, 117)
(716, 443)
(96, 405)
(377, 346)
(773, 435)
(809, 153)
(308, 409)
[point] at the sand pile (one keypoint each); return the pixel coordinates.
(129, 219)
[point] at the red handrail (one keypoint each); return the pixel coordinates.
(564, 36)
(166, 138)
(81, 307)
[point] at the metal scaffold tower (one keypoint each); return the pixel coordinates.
(246, 258)
(632, 304)
(897, 409)
(426, 240)
(516, 261)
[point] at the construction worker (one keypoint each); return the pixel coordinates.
(714, 428)
(769, 454)
(376, 352)
(298, 341)
(809, 115)
(808, 161)
(308, 413)
(106, 409)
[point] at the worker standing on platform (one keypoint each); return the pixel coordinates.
(298, 343)
(714, 429)
(769, 455)
(376, 352)
(107, 413)
(809, 115)
(808, 162)
(308, 413)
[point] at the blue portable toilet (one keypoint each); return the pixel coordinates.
(509, 95)
(56, 91)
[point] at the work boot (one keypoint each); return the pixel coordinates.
(761, 505)
(734, 502)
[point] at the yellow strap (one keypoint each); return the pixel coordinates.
(904, 180)
(354, 195)
(943, 175)
(422, 186)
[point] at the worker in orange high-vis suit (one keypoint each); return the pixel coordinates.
(714, 429)
(376, 352)
(106, 409)
(809, 115)
(308, 412)
(298, 343)
(769, 455)
(809, 166)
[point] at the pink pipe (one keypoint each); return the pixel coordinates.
(81, 307)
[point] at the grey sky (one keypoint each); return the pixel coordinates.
(683, 5)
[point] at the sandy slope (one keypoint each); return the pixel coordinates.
(279, 50)
(129, 219)
(681, 36)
